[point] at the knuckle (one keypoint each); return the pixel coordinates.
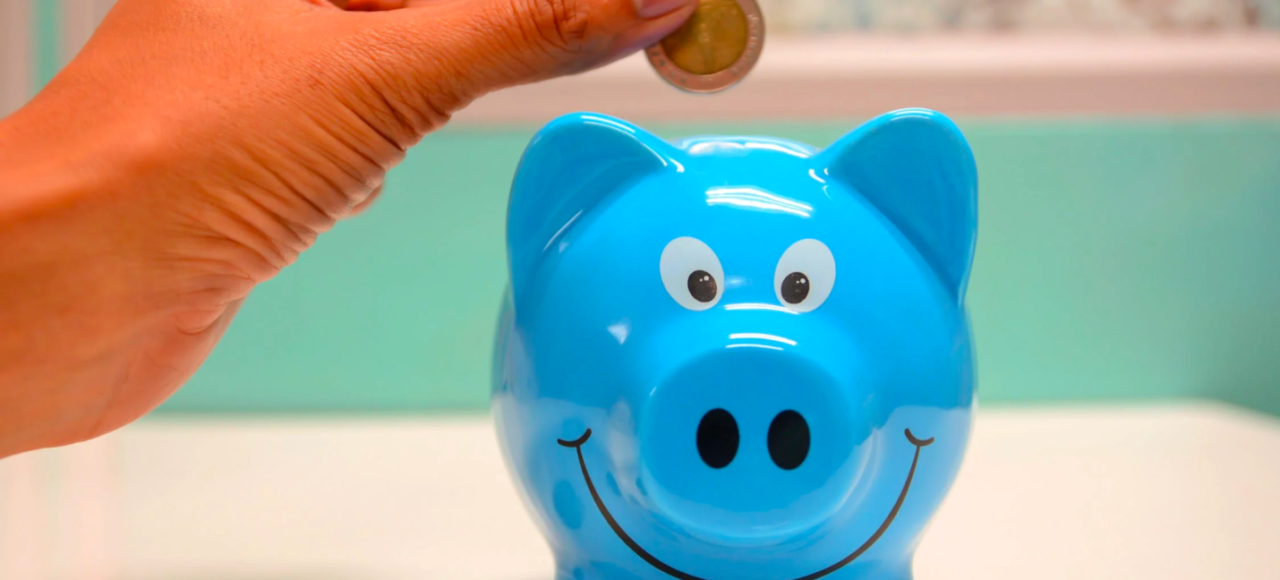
(395, 104)
(563, 25)
(385, 100)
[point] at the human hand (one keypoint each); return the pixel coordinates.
(195, 147)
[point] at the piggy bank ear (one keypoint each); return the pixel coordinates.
(570, 166)
(917, 169)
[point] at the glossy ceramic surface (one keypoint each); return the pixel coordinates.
(737, 358)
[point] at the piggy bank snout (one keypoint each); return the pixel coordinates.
(746, 442)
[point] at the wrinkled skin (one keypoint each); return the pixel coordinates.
(195, 147)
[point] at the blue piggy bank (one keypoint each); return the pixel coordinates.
(737, 358)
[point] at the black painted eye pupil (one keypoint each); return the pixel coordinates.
(788, 440)
(795, 288)
(702, 286)
(717, 438)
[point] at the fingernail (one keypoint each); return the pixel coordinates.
(652, 8)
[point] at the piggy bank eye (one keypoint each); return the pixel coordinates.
(806, 272)
(691, 273)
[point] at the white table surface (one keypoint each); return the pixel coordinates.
(1168, 492)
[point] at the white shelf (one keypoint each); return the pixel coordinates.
(859, 76)
(1174, 492)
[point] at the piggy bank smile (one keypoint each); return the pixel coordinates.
(666, 568)
(737, 357)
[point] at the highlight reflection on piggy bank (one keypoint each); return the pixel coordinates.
(737, 358)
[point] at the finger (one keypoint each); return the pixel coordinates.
(458, 51)
(368, 5)
(377, 5)
(360, 208)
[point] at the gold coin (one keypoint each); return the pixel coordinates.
(711, 40)
(714, 49)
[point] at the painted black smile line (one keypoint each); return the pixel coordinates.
(576, 444)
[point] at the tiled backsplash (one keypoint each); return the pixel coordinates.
(1018, 15)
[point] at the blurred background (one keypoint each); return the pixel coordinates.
(811, 16)
(1125, 301)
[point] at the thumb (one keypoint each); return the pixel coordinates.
(457, 50)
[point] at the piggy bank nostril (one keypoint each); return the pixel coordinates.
(717, 438)
(789, 440)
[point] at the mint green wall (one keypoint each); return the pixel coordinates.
(47, 36)
(1117, 260)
